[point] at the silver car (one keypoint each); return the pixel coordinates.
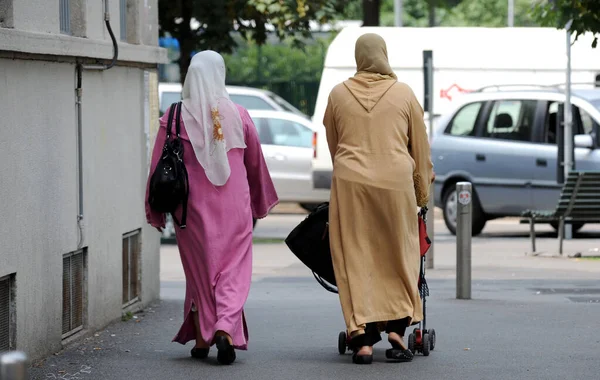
(288, 144)
(504, 143)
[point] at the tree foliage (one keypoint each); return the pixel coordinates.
(218, 18)
(584, 14)
(281, 62)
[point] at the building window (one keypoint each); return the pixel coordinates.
(7, 313)
(123, 19)
(72, 17)
(74, 287)
(131, 264)
(65, 16)
(6, 14)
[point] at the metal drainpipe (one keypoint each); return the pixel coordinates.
(79, 103)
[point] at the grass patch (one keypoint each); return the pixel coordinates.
(267, 241)
(596, 258)
(127, 316)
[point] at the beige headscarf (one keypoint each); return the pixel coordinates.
(372, 57)
(374, 76)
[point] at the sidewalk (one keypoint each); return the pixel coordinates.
(510, 330)
(530, 318)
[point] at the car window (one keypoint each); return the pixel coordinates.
(251, 102)
(463, 123)
(168, 98)
(582, 122)
(264, 133)
(289, 133)
(284, 104)
(587, 123)
(511, 120)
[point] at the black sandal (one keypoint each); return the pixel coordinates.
(356, 344)
(398, 353)
(199, 353)
(226, 352)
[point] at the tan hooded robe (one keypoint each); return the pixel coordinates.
(381, 176)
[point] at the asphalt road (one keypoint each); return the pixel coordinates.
(509, 330)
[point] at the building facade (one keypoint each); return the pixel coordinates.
(77, 120)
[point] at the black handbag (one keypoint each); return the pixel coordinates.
(309, 241)
(169, 184)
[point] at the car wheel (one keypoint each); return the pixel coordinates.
(451, 211)
(576, 226)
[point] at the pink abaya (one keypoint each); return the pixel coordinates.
(216, 245)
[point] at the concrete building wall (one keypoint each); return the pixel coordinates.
(36, 16)
(38, 147)
(39, 151)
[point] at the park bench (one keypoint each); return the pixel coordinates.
(579, 202)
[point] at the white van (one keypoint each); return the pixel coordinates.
(464, 59)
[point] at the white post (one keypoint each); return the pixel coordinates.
(14, 366)
(511, 13)
(568, 123)
(398, 12)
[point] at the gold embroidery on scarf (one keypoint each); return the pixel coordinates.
(217, 129)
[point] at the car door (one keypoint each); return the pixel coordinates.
(289, 156)
(546, 190)
(505, 153)
(587, 158)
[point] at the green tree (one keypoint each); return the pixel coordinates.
(584, 14)
(251, 63)
(377, 12)
(489, 13)
(218, 18)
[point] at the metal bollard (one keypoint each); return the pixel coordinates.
(13, 366)
(463, 239)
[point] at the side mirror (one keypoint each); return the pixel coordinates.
(584, 141)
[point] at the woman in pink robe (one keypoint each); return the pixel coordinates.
(229, 186)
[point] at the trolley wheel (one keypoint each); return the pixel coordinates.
(411, 343)
(426, 343)
(342, 343)
(432, 339)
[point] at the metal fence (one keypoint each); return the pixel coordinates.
(302, 95)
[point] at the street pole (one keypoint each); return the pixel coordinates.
(464, 207)
(398, 12)
(511, 13)
(568, 123)
(13, 366)
(428, 75)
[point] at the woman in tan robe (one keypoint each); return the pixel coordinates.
(381, 175)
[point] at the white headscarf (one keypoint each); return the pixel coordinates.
(212, 120)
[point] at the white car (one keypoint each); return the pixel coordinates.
(247, 97)
(288, 144)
